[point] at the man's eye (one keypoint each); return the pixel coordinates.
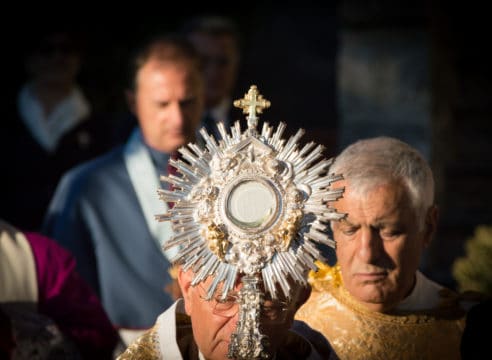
(228, 299)
(390, 233)
(349, 231)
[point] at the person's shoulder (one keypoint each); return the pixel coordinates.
(95, 167)
(43, 242)
(84, 181)
(147, 346)
(144, 347)
(45, 250)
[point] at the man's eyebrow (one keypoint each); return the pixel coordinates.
(382, 223)
(345, 222)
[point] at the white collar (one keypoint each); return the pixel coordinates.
(145, 181)
(166, 333)
(425, 295)
(48, 130)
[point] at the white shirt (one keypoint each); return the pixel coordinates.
(425, 295)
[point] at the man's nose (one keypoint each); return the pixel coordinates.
(370, 244)
(177, 114)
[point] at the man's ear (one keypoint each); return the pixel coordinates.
(184, 280)
(430, 225)
(131, 100)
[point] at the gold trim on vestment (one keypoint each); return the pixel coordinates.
(358, 333)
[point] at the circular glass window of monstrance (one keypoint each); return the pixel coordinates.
(252, 204)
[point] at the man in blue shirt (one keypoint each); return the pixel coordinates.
(104, 210)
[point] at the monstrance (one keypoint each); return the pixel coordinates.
(250, 204)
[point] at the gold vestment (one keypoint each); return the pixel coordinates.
(355, 332)
(144, 348)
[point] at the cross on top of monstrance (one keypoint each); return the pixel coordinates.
(252, 103)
